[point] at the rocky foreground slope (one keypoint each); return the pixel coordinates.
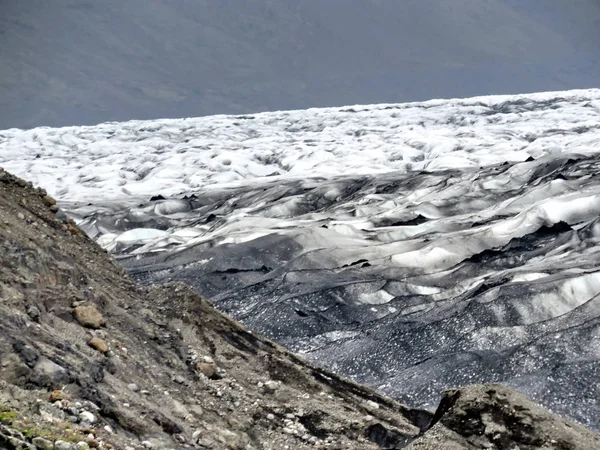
(90, 359)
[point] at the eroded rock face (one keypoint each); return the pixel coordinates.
(493, 416)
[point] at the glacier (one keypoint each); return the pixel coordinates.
(412, 247)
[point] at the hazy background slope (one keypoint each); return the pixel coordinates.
(69, 62)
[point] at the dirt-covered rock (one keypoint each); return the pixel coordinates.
(88, 316)
(493, 416)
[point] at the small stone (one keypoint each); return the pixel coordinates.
(180, 410)
(98, 344)
(59, 404)
(49, 201)
(179, 379)
(88, 316)
(91, 405)
(290, 416)
(271, 386)
(196, 409)
(54, 209)
(34, 312)
(42, 444)
(97, 333)
(147, 444)
(62, 445)
(196, 434)
(57, 395)
(372, 405)
(21, 183)
(86, 416)
(108, 429)
(207, 369)
(270, 416)
(82, 446)
(133, 387)
(15, 443)
(49, 374)
(20, 216)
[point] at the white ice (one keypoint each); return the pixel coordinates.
(175, 156)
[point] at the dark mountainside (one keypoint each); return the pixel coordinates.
(70, 62)
(89, 357)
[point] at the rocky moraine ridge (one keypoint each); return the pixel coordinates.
(89, 359)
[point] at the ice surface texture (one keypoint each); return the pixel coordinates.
(172, 157)
(412, 247)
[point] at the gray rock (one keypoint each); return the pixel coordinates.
(180, 410)
(196, 410)
(86, 416)
(34, 312)
(47, 373)
(91, 405)
(271, 386)
(493, 416)
(63, 445)
(42, 444)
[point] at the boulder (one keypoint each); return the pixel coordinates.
(494, 416)
(88, 316)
